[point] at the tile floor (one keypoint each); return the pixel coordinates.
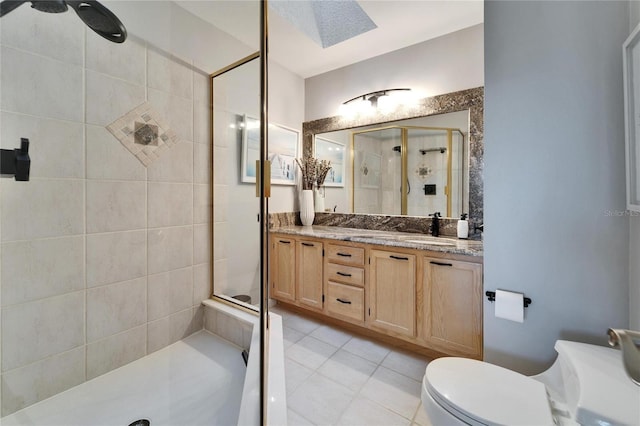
(334, 377)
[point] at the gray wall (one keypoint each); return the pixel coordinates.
(554, 165)
(634, 223)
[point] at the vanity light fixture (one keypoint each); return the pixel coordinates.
(383, 101)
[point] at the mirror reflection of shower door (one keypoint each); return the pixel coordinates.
(409, 170)
(377, 170)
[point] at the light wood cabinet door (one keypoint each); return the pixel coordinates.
(392, 292)
(309, 273)
(452, 306)
(283, 268)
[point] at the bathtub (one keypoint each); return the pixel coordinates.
(200, 380)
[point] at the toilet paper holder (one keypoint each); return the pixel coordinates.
(491, 295)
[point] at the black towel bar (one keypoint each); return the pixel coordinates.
(491, 295)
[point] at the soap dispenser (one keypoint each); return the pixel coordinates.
(463, 227)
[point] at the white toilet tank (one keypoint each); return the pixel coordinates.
(595, 387)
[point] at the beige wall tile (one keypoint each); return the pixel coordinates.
(56, 93)
(107, 158)
(221, 167)
(24, 30)
(27, 385)
(116, 307)
(202, 204)
(220, 277)
(169, 293)
(126, 60)
(38, 269)
(27, 209)
(35, 330)
(201, 243)
(62, 140)
(175, 165)
(221, 203)
(115, 351)
(170, 329)
(202, 163)
(220, 240)
(201, 123)
(201, 283)
(116, 206)
(201, 88)
(170, 204)
(116, 257)
(109, 98)
(170, 248)
(177, 111)
(169, 74)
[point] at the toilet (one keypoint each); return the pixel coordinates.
(586, 385)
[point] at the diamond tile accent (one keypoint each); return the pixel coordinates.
(144, 133)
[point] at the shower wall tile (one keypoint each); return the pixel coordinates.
(202, 204)
(221, 203)
(221, 169)
(169, 292)
(23, 29)
(107, 158)
(115, 351)
(24, 386)
(201, 243)
(170, 204)
(178, 112)
(170, 248)
(116, 257)
(169, 74)
(172, 328)
(201, 123)
(49, 139)
(201, 88)
(201, 163)
(221, 276)
(35, 330)
(56, 93)
(43, 208)
(201, 283)
(116, 206)
(110, 98)
(36, 269)
(221, 232)
(126, 61)
(116, 307)
(176, 166)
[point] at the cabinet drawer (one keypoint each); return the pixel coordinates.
(345, 274)
(345, 254)
(345, 301)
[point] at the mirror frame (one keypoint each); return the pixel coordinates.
(470, 99)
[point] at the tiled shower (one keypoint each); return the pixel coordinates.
(103, 260)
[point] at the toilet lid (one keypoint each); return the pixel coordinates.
(486, 393)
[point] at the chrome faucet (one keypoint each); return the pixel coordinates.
(625, 341)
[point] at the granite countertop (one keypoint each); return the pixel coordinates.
(387, 238)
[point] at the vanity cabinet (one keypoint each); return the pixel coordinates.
(283, 268)
(392, 292)
(452, 306)
(426, 300)
(309, 267)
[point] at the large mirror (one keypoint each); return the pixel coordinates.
(413, 162)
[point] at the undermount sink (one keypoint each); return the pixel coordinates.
(431, 242)
(424, 239)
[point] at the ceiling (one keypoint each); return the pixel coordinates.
(400, 23)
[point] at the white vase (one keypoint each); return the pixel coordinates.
(318, 199)
(306, 207)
